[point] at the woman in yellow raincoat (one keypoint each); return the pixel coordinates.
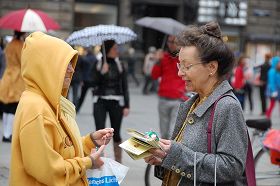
(47, 148)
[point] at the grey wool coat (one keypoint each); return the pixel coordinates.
(229, 142)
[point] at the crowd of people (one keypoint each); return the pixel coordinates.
(36, 103)
(265, 77)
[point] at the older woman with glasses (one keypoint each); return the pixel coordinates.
(209, 142)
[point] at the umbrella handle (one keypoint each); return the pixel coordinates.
(104, 52)
(164, 41)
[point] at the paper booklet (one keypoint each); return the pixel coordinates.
(138, 145)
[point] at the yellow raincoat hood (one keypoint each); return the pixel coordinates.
(44, 71)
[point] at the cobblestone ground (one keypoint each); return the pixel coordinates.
(4, 173)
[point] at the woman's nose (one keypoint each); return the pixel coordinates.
(70, 68)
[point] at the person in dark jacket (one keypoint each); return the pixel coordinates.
(263, 81)
(88, 62)
(111, 93)
(2, 58)
(76, 81)
(2, 68)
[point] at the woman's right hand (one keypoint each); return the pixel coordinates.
(105, 68)
(153, 160)
(95, 157)
(102, 136)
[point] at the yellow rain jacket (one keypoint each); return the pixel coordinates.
(47, 148)
(11, 84)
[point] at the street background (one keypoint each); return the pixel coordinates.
(143, 117)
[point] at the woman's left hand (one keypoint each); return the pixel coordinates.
(125, 112)
(102, 137)
(165, 145)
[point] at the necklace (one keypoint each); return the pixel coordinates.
(190, 120)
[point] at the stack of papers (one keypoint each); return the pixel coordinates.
(138, 145)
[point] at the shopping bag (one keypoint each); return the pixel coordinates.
(111, 173)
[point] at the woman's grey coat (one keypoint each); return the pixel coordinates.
(229, 141)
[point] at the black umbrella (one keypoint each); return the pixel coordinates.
(166, 25)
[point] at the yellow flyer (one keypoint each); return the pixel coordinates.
(138, 145)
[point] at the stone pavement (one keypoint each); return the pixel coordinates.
(143, 117)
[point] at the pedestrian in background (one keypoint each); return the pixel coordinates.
(249, 78)
(76, 81)
(205, 62)
(111, 93)
(263, 81)
(2, 68)
(149, 62)
(11, 85)
(171, 87)
(87, 64)
(273, 86)
(131, 60)
(47, 148)
(2, 58)
(238, 80)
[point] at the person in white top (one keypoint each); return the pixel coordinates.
(149, 62)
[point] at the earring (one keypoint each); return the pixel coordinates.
(211, 74)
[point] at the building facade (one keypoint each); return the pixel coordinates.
(262, 33)
(232, 17)
(250, 26)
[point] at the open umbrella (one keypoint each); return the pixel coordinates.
(163, 24)
(28, 20)
(96, 35)
(166, 25)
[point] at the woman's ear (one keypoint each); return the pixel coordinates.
(212, 67)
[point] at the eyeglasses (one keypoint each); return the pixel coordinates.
(182, 67)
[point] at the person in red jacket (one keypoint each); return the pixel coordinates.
(238, 81)
(171, 87)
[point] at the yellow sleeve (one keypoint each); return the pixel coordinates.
(87, 144)
(40, 159)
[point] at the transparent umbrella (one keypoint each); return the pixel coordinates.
(96, 35)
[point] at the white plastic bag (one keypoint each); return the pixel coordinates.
(111, 173)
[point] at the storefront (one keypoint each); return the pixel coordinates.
(258, 45)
